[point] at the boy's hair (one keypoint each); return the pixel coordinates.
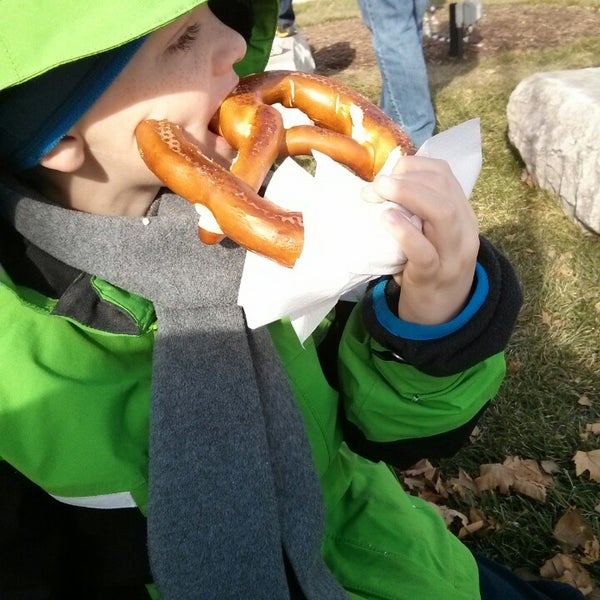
(35, 115)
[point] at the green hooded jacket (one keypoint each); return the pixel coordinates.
(74, 404)
(85, 393)
(99, 27)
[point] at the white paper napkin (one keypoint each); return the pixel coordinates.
(345, 242)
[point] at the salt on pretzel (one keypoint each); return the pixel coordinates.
(347, 127)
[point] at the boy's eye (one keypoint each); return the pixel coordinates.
(184, 41)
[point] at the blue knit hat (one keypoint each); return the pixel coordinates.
(35, 115)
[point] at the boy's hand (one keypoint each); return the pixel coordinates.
(438, 274)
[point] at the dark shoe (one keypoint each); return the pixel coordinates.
(284, 31)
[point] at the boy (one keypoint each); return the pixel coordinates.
(251, 480)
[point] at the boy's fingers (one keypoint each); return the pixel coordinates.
(417, 247)
(434, 195)
(418, 163)
(427, 172)
(431, 201)
(368, 194)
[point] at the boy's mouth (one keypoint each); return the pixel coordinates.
(224, 154)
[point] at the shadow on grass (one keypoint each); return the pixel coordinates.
(535, 415)
(334, 58)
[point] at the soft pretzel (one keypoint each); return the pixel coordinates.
(347, 127)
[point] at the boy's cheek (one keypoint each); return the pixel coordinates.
(222, 152)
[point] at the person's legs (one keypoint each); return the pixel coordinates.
(496, 582)
(396, 34)
(287, 18)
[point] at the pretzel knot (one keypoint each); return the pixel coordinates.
(347, 127)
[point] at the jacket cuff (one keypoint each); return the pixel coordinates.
(481, 330)
(385, 296)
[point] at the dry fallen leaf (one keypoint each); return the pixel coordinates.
(591, 552)
(522, 475)
(423, 468)
(593, 428)
(588, 461)
(550, 467)
(584, 401)
(413, 484)
(563, 567)
(471, 528)
(463, 485)
(572, 531)
(495, 476)
(533, 489)
(475, 434)
(431, 496)
(454, 519)
(478, 522)
(461, 525)
(427, 479)
(595, 594)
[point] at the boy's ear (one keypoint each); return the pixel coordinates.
(67, 156)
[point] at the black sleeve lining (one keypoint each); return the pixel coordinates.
(327, 350)
(402, 454)
(53, 550)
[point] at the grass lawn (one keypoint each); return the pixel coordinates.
(552, 388)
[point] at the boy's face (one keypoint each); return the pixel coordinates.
(182, 73)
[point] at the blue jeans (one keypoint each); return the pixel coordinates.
(496, 582)
(286, 13)
(396, 28)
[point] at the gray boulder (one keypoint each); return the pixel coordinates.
(554, 123)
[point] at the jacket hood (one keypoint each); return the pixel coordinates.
(65, 32)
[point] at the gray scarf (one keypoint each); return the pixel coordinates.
(233, 492)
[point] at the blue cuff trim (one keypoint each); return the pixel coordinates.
(415, 331)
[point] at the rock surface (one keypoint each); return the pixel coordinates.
(554, 123)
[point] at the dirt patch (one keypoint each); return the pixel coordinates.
(338, 45)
